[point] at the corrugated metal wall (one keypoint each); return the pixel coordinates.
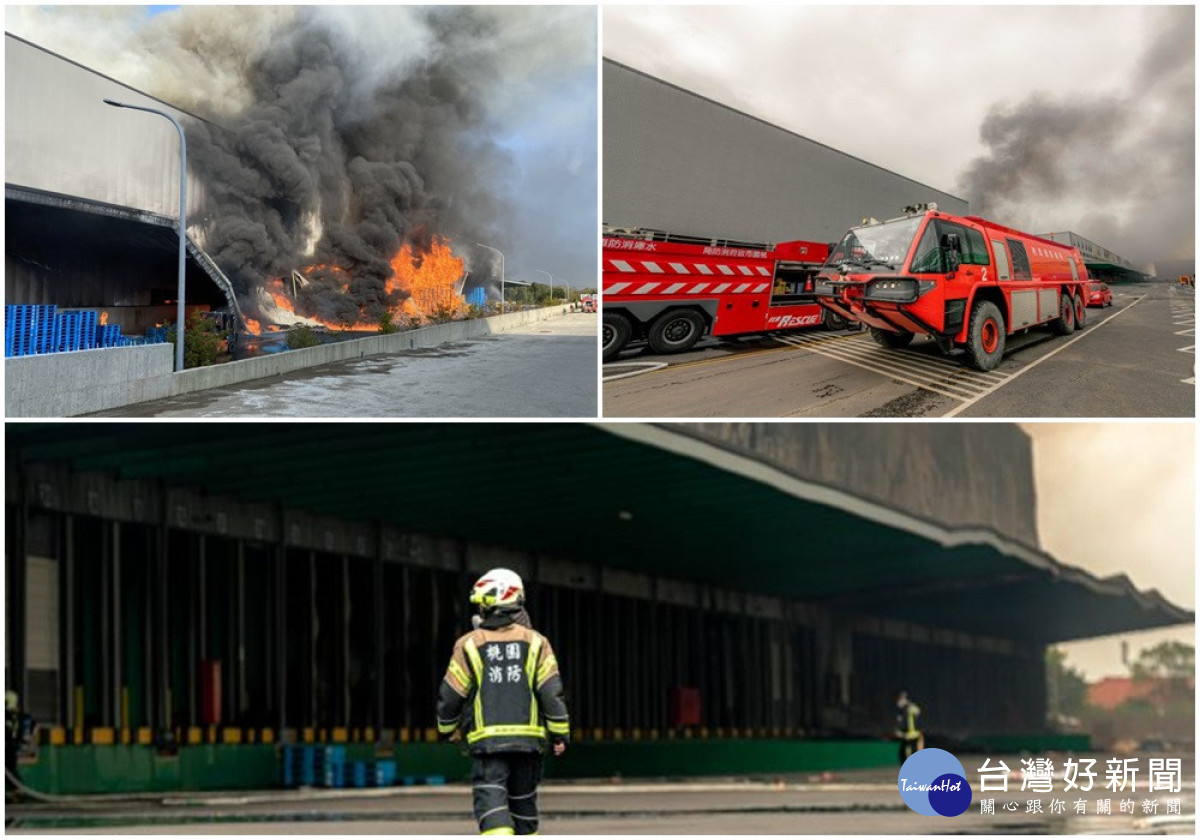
(676, 161)
(60, 137)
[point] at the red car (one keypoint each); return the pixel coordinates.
(1098, 294)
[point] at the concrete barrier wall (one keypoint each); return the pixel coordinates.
(68, 384)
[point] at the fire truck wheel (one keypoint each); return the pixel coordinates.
(675, 332)
(1064, 324)
(985, 340)
(615, 333)
(891, 340)
(833, 321)
(1080, 313)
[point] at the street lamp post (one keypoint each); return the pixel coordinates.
(501, 253)
(180, 326)
(551, 276)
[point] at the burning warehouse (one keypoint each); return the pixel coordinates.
(723, 598)
(342, 164)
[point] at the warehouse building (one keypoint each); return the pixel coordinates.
(91, 196)
(723, 598)
(679, 162)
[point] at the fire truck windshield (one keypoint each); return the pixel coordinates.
(880, 247)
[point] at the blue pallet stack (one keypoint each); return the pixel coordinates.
(87, 330)
(30, 329)
(67, 338)
(385, 773)
(299, 766)
(333, 766)
(109, 335)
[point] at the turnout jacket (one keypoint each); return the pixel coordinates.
(503, 688)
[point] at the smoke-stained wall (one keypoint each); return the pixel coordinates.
(952, 474)
(679, 162)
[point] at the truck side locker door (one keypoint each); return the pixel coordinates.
(1002, 270)
(1022, 305)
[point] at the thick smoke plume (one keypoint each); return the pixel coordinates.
(336, 135)
(1117, 168)
(336, 161)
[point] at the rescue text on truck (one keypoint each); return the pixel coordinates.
(962, 280)
(671, 289)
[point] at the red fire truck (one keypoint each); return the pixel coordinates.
(671, 289)
(964, 281)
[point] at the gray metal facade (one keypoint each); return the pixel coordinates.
(679, 162)
(60, 137)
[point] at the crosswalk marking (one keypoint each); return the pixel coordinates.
(1183, 314)
(933, 373)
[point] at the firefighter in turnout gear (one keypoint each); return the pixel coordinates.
(503, 690)
(910, 737)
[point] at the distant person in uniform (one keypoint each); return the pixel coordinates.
(906, 731)
(502, 688)
(17, 729)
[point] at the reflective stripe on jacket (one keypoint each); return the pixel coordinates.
(503, 688)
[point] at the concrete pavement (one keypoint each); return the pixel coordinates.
(1135, 359)
(543, 369)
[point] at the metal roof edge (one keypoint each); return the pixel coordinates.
(686, 444)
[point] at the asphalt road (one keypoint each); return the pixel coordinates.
(859, 802)
(1134, 359)
(547, 369)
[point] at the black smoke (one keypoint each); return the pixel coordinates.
(1116, 167)
(332, 148)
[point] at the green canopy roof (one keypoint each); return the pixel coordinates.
(640, 497)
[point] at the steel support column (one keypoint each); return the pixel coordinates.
(120, 717)
(242, 699)
(279, 635)
(164, 717)
(341, 664)
(312, 626)
(66, 602)
(406, 645)
(377, 681)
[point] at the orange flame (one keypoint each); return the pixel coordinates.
(103, 318)
(253, 326)
(427, 280)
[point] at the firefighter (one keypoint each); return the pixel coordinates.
(503, 690)
(910, 737)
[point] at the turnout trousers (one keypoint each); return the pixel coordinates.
(505, 792)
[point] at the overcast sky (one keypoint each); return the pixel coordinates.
(1120, 498)
(1090, 110)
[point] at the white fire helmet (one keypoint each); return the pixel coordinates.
(498, 588)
